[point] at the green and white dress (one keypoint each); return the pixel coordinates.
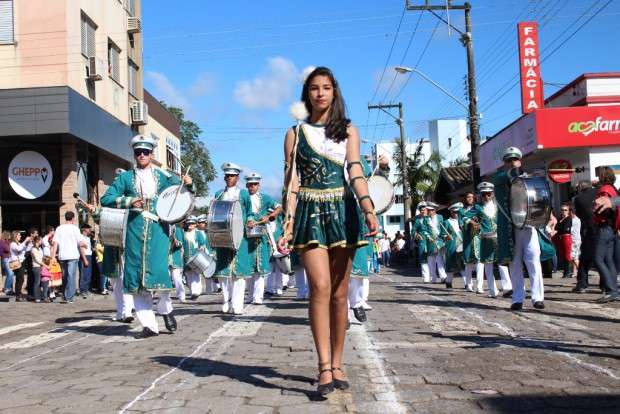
(147, 242)
(327, 213)
(471, 242)
(486, 214)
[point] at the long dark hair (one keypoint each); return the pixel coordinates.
(336, 127)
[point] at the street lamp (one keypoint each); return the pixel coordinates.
(406, 69)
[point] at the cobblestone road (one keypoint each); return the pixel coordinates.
(424, 349)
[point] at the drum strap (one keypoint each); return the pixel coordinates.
(501, 209)
(149, 216)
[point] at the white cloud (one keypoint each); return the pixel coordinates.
(272, 185)
(203, 85)
(166, 91)
(268, 90)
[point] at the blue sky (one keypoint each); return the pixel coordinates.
(235, 67)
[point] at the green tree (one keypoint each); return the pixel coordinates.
(422, 175)
(194, 152)
(460, 162)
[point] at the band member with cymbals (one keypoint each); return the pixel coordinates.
(233, 267)
(147, 240)
(259, 248)
(517, 246)
(324, 214)
(193, 240)
(453, 236)
(471, 244)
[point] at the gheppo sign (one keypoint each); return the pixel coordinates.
(532, 96)
(30, 174)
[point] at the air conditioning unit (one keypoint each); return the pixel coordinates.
(96, 68)
(134, 25)
(139, 113)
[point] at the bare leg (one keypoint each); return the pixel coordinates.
(316, 262)
(340, 261)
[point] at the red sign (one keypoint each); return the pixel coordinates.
(578, 126)
(560, 171)
(532, 96)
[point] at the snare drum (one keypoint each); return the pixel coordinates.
(381, 192)
(202, 263)
(172, 208)
(530, 202)
(254, 232)
(113, 226)
(225, 224)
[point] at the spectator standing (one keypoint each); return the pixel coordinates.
(575, 246)
(46, 276)
(36, 254)
(32, 233)
(98, 253)
(67, 242)
(563, 238)
(46, 241)
(16, 263)
(5, 253)
(583, 210)
(86, 264)
(385, 250)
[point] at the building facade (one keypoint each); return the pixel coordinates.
(449, 138)
(393, 219)
(71, 98)
(164, 128)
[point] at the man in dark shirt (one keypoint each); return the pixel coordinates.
(582, 204)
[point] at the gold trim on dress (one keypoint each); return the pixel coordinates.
(327, 194)
(340, 243)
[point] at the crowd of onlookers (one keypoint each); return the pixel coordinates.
(41, 267)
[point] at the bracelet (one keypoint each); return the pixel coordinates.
(350, 164)
(351, 180)
(370, 212)
(362, 198)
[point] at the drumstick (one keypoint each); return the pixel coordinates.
(178, 190)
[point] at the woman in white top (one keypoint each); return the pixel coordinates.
(18, 253)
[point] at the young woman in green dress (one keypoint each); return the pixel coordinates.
(325, 215)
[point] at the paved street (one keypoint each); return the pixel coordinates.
(424, 349)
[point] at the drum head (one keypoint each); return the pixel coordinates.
(172, 208)
(381, 192)
(518, 202)
(236, 224)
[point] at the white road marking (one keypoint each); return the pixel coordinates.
(368, 353)
(45, 337)
(14, 328)
(228, 330)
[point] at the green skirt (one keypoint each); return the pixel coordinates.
(328, 224)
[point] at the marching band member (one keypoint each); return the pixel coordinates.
(193, 240)
(420, 232)
(233, 267)
(275, 279)
(471, 244)
(259, 248)
(176, 260)
(145, 267)
(486, 217)
(454, 244)
(435, 244)
(519, 246)
(212, 284)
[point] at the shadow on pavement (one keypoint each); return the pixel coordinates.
(249, 374)
(587, 403)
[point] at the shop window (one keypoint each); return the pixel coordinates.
(394, 219)
(172, 162)
(7, 31)
(114, 54)
(88, 28)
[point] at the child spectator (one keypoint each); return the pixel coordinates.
(46, 275)
(36, 253)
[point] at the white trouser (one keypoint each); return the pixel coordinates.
(469, 269)
(233, 291)
(144, 308)
(302, 284)
(526, 250)
(123, 301)
(505, 278)
(212, 285)
(436, 265)
(257, 288)
(426, 273)
(194, 282)
(285, 279)
(365, 289)
(275, 280)
(488, 271)
(177, 278)
(356, 291)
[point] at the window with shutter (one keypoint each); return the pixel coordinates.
(132, 79)
(114, 69)
(131, 7)
(87, 29)
(6, 22)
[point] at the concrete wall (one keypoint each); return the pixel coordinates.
(449, 137)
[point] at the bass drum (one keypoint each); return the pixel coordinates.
(530, 202)
(112, 226)
(381, 192)
(225, 224)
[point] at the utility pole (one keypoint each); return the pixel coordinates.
(467, 40)
(403, 162)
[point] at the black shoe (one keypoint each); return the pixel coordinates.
(324, 389)
(516, 306)
(348, 325)
(170, 322)
(360, 314)
(284, 288)
(194, 297)
(578, 289)
(128, 319)
(448, 285)
(539, 305)
(340, 384)
(607, 299)
(219, 290)
(146, 333)
(268, 293)
(507, 294)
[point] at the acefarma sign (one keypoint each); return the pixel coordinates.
(30, 174)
